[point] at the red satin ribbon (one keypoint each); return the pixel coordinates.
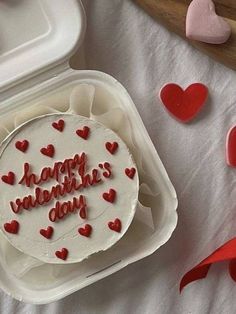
(227, 252)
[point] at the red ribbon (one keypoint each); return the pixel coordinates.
(227, 252)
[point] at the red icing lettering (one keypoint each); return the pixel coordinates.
(17, 206)
(107, 173)
(59, 168)
(62, 172)
(62, 209)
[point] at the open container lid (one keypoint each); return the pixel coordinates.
(36, 36)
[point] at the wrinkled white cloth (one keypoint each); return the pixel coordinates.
(126, 43)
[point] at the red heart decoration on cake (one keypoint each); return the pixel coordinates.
(231, 147)
(109, 196)
(47, 233)
(59, 125)
(22, 145)
(86, 231)
(62, 254)
(116, 225)
(112, 147)
(84, 133)
(130, 172)
(184, 104)
(12, 227)
(48, 151)
(9, 178)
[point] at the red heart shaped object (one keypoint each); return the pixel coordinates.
(48, 151)
(22, 145)
(231, 147)
(12, 227)
(184, 104)
(116, 225)
(62, 254)
(86, 231)
(84, 133)
(111, 147)
(47, 233)
(9, 178)
(130, 172)
(59, 125)
(109, 196)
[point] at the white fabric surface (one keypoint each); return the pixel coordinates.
(124, 42)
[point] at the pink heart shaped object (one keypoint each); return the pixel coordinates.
(203, 24)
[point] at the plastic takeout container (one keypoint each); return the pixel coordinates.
(38, 39)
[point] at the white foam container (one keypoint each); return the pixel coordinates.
(38, 39)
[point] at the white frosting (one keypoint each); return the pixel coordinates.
(39, 133)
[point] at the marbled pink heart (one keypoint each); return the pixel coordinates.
(203, 24)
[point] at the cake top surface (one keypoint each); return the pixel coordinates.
(69, 188)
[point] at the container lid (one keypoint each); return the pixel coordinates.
(36, 36)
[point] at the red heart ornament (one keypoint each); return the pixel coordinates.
(12, 227)
(86, 231)
(111, 147)
(130, 172)
(22, 145)
(47, 233)
(109, 196)
(231, 147)
(184, 104)
(59, 125)
(84, 133)
(62, 254)
(48, 151)
(116, 225)
(9, 178)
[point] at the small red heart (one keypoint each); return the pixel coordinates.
(116, 225)
(84, 133)
(62, 254)
(22, 145)
(12, 227)
(109, 196)
(48, 151)
(184, 104)
(47, 233)
(231, 147)
(9, 178)
(59, 125)
(130, 172)
(111, 147)
(86, 231)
